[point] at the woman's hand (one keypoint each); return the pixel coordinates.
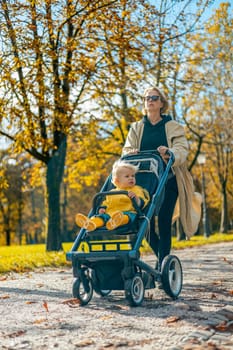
(133, 151)
(163, 152)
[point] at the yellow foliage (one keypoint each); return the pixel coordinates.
(215, 28)
(3, 181)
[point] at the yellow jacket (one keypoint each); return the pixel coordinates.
(122, 202)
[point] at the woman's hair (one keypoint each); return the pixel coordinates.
(163, 98)
(118, 166)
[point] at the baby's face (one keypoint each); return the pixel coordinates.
(126, 178)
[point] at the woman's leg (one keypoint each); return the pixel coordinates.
(153, 238)
(165, 218)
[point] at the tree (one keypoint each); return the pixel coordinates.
(12, 203)
(47, 60)
(209, 99)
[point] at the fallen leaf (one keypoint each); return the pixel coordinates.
(106, 317)
(221, 326)
(229, 262)
(213, 296)
(41, 320)
(119, 307)
(6, 296)
(74, 302)
(172, 319)
(46, 306)
(224, 327)
(30, 302)
(84, 343)
(16, 334)
(216, 283)
(3, 278)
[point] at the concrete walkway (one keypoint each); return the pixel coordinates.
(38, 312)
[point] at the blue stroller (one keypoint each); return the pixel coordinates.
(104, 260)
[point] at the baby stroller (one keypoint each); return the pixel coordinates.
(104, 260)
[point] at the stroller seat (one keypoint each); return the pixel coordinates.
(148, 176)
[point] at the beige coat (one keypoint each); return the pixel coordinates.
(188, 206)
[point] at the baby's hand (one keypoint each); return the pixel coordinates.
(131, 194)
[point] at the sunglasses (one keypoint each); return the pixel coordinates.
(152, 98)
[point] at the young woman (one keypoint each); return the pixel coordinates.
(157, 131)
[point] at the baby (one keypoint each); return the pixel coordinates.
(117, 210)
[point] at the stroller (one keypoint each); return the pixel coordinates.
(104, 260)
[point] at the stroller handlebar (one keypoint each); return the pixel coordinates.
(149, 153)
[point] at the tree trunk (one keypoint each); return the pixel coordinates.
(7, 228)
(55, 170)
(224, 213)
(8, 237)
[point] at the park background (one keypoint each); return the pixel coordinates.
(72, 76)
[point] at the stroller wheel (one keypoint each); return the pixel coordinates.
(172, 276)
(134, 290)
(83, 291)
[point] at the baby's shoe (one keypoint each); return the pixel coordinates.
(115, 221)
(83, 221)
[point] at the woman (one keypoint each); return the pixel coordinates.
(157, 131)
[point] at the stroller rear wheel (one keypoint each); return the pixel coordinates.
(172, 276)
(134, 290)
(83, 290)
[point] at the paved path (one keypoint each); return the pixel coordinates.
(38, 312)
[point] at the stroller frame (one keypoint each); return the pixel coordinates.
(104, 260)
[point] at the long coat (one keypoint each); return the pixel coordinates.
(188, 206)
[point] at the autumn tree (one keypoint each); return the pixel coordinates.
(208, 102)
(11, 199)
(47, 59)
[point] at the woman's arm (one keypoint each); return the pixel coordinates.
(177, 142)
(132, 143)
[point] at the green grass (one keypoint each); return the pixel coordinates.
(30, 257)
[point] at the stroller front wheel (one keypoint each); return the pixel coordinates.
(83, 291)
(134, 290)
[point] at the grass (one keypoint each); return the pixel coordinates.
(31, 257)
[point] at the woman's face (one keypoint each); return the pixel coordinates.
(153, 101)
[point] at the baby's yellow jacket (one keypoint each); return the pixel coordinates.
(122, 202)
